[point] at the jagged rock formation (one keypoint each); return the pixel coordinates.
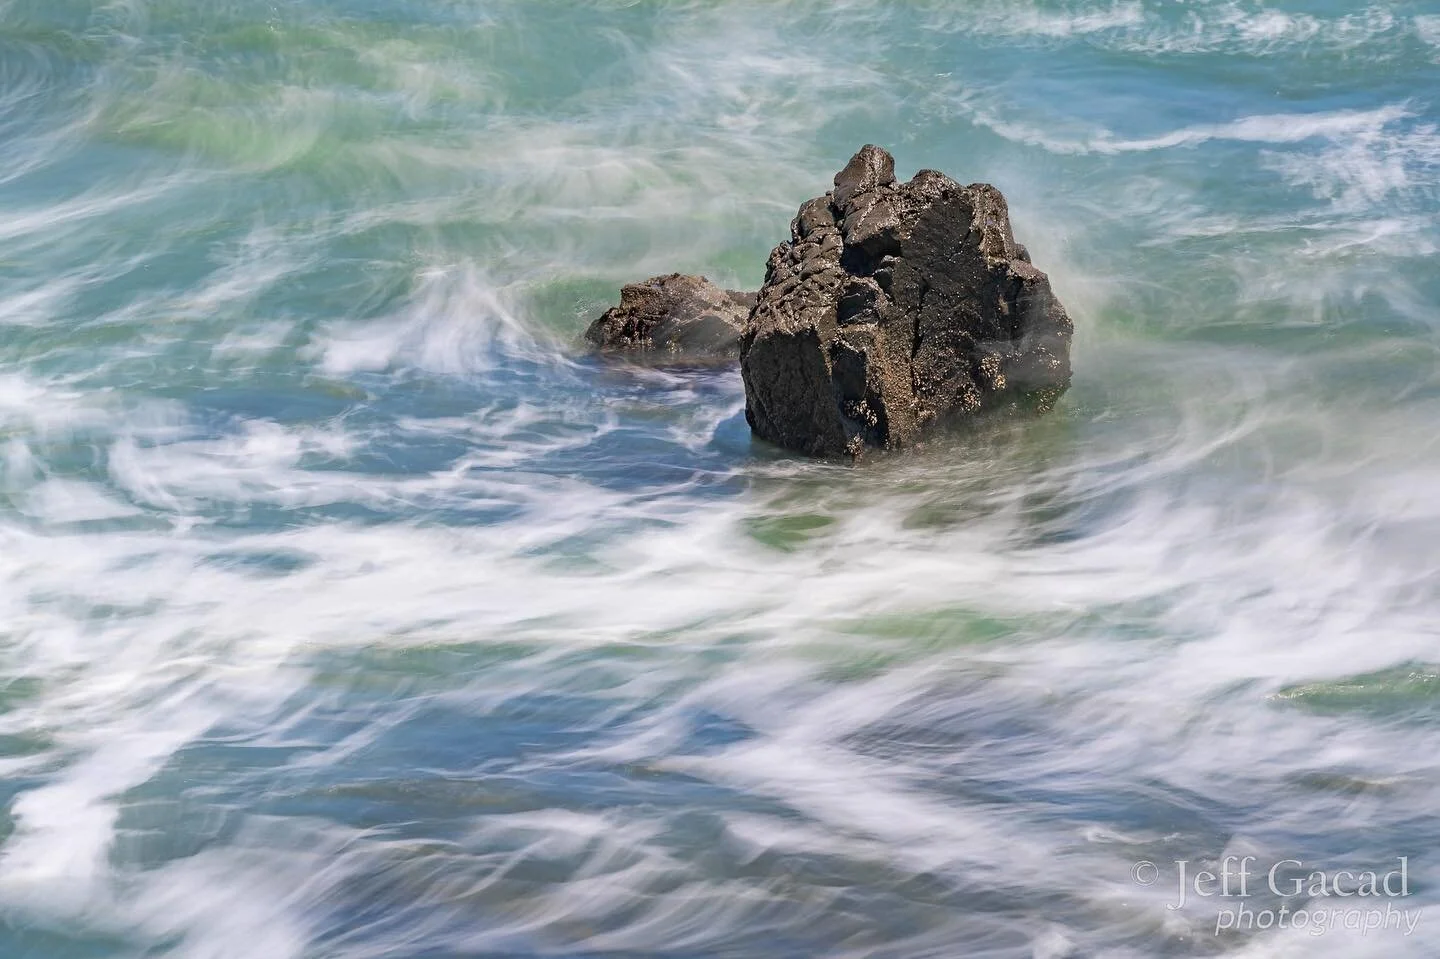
(895, 307)
(677, 318)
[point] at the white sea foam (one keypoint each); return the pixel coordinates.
(1034, 20)
(457, 322)
(399, 586)
(35, 307)
(1152, 29)
(1280, 128)
(1428, 29)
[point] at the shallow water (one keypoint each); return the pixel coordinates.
(348, 610)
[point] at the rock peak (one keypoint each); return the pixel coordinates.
(870, 168)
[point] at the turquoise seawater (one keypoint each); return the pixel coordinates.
(349, 610)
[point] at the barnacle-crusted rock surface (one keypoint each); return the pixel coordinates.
(673, 318)
(893, 308)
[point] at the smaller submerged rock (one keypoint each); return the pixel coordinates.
(676, 317)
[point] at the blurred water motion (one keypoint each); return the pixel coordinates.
(348, 610)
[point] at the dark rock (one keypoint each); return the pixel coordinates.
(675, 317)
(896, 307)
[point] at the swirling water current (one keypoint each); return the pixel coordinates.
(349, 610)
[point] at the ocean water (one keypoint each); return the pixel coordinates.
(349, 610)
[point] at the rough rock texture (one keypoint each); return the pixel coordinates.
(675, 317)
(893, 308)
